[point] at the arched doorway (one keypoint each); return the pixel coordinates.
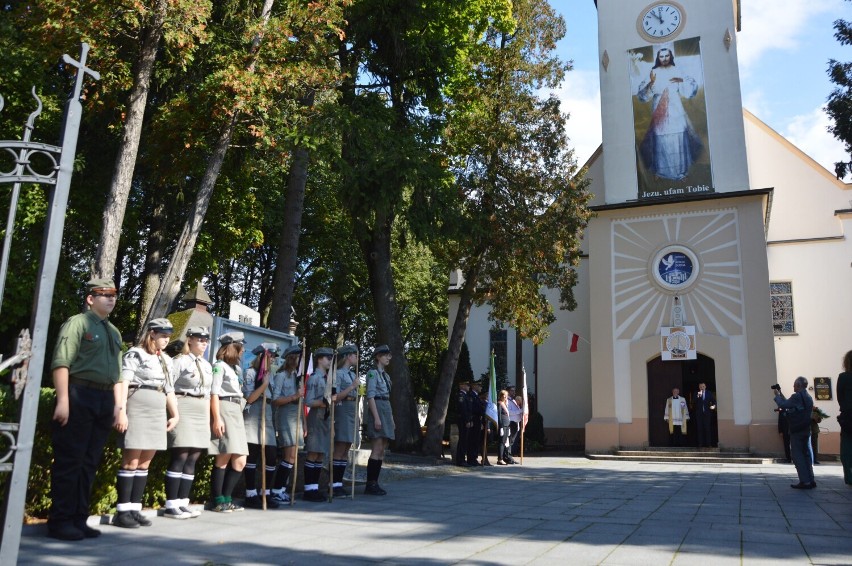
(685, 375)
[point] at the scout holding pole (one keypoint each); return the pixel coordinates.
(304, 376)
(330, 395)
(264, 364)
(357, 434)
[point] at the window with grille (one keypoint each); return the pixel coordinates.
(781, 294)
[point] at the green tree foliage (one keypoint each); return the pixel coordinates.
(520, 203)
(839, 106)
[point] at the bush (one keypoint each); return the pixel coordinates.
(103, 491)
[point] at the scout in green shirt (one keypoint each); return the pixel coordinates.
(85, 373)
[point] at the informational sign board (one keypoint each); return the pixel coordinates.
(822, 388)
(254, 335)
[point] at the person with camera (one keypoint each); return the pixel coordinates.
(844, 398)
(798, 409)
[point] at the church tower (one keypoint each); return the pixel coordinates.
(678, 247)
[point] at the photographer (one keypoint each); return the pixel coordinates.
(798, 409)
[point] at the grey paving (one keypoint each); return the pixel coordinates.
(554, 510)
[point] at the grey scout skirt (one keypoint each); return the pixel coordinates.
(234, 439)
(383, 407)
(318, 431)
(344, 421)
(286, 417)
(146, 420)
(193, 429)
(253, 421)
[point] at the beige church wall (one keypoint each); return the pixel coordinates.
(564, 380)
(821, 279)
(617, 34)
(805, 194)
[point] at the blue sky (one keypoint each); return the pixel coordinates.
(784, 48)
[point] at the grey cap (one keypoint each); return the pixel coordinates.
(323, 352)
(198, 332)
(294, 349)
(162, 325)
(383, 349)
(267, 346)
(347, 349)
(232, 337)
(100, 283)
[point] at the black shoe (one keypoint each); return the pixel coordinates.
(339, 492)
(270, 502)
(374, 489)
(88, 531)
(141, 519)
(801, 485)
(65, 531)
(253, 502)
(816, 463)
(313, 495)
(125, 520)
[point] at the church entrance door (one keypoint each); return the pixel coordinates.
(685, 375)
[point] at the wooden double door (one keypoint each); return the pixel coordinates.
(685, 375)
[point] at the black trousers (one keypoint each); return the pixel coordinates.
(77, 450)
(461, 446)
(705, 434)
(474, 441)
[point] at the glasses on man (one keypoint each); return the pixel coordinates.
(105, 293)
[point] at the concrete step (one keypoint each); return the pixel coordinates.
(714, 453)
(669, 458)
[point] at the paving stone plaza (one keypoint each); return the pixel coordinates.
(554, 510)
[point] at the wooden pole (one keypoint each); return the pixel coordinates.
(262, 369)
(301, 389)
(523, 428)
(332, 376)
(356, 437)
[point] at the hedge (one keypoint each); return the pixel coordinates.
(103, 492)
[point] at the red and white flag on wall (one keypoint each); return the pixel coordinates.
(575, 339)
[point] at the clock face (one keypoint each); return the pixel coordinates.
(660, 21)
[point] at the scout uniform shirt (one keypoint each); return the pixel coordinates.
(226, 381)
(150, 371)
(90, 347)
(194, 376)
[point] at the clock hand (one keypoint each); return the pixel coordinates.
(659, 11)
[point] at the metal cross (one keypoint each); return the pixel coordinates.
(82, 69)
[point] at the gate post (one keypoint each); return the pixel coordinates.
(51, 248)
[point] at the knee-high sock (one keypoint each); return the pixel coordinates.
(217, 482)
(231, 478)
(124, 487)
(312, 474)
(373, 467)
(139, 482)
(338, 468)
(283, 474)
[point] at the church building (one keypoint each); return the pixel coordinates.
(717, 253)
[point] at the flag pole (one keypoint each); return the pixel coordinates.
(356, 436)
(300, 390)
(331, 376)
(262, 369)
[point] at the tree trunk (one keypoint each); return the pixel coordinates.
(377, 254)
(125, 162)
(153, 259)
(288, 245)
(170, 284)
(437, 416)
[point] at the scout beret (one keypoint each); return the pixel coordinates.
(294, 349)
(268, 346)
(347, 349)
(101, 283)
(198, 332)
(383, 349)
(162, 325)
(232, 337)
(323, 352)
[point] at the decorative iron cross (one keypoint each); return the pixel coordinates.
(82, 69)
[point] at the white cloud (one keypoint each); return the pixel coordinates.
(581, 97)
(777, 24)
(809, 133)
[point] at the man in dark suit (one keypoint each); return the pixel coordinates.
(465, 422)
(705, 404)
